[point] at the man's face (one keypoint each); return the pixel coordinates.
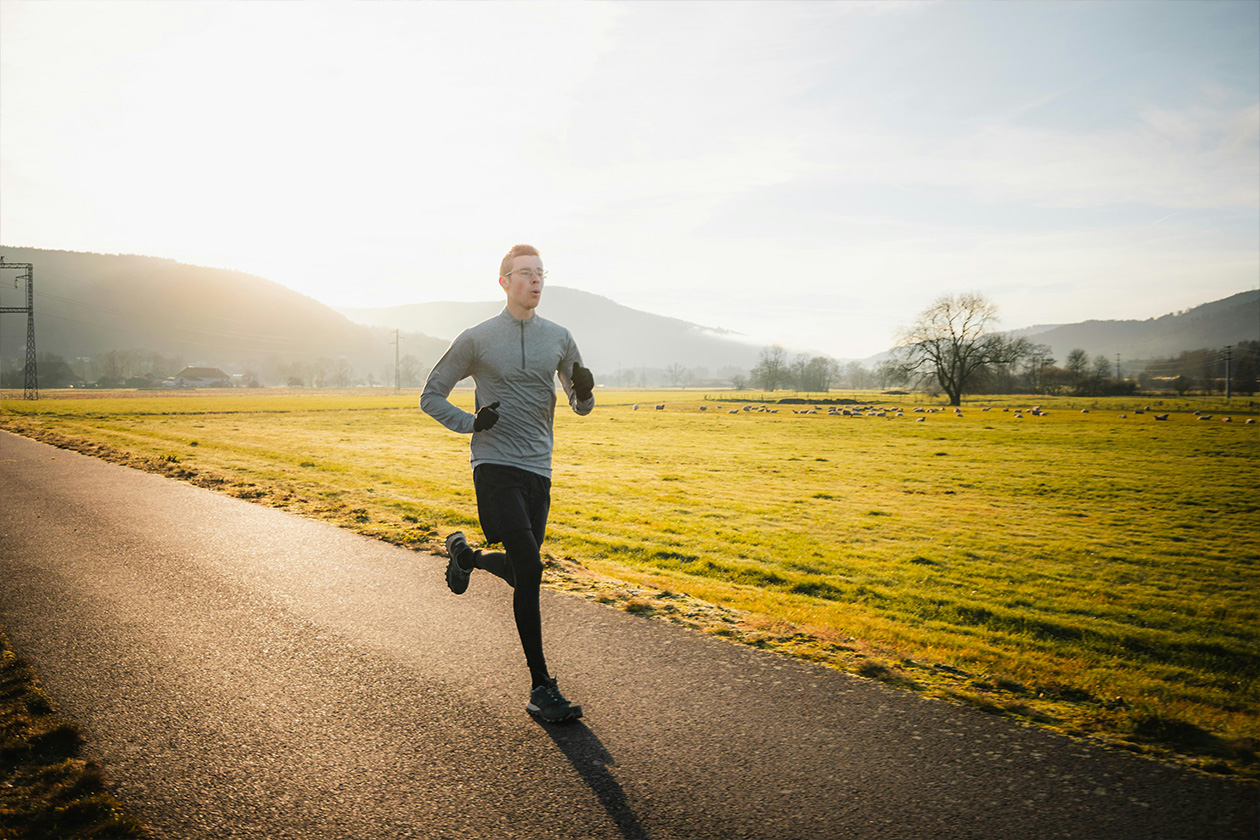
(524, 289)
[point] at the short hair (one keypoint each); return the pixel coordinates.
(517, 251)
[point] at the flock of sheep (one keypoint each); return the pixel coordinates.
(895, 411)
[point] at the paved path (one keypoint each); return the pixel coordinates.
(242, 672)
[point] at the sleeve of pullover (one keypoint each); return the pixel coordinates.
(454, 365)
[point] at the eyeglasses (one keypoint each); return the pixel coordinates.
(529, 273)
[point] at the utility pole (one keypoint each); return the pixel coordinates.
(30, 384)
(1229, 357)
(1118, 376)
(397, 377)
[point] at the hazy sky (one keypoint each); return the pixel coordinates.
(808, 173)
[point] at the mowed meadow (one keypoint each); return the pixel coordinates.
(1081, 570)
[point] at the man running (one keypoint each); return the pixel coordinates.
(512, 359)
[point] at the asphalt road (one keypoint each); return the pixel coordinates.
(242, 672)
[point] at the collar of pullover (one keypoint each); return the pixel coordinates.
(507, 316)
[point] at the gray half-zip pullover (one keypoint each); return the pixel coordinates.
(513, 363)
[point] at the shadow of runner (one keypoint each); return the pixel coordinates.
(587, 755)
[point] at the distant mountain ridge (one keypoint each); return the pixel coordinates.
(88, 304)
(1216, 324)
(611, 336)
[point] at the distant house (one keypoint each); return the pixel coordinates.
(200, 377)
(57, 375)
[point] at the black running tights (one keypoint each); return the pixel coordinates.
(522, 568)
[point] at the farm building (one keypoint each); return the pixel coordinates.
(199, 377)
(58, 375)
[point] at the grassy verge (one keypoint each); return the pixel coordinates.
(47, 789)
(1088, 569)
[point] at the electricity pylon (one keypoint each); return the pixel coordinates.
(30, 384)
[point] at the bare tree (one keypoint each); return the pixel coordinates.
(951, 343)
(821, 373)
(798, 372)
(1078, 364)
(342, 373)
(320, 370)
(772, 368)
(1036, 360)
(1101, 374)
(890, 373)
(856, 376)
(410, 373)
(115, 365)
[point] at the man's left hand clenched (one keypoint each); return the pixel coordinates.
(583, 381)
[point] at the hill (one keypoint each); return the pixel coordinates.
(1216, 324)
(89, 304)
(612, 337)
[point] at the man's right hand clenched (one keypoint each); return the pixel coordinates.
(486, 417)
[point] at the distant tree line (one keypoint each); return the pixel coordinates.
(146, 369)
(813, 374)
(671, 376)
(1202, 371)
(1207, 371)
(949, 350)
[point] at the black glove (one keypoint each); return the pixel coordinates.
(583, 381)
(486, 417)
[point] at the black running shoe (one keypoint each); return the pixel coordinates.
(547, 703)
(456, 577)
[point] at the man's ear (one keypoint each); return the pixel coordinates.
(503, 282)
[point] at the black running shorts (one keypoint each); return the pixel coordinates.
(511, 499)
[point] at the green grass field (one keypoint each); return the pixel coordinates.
(1078, 570)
